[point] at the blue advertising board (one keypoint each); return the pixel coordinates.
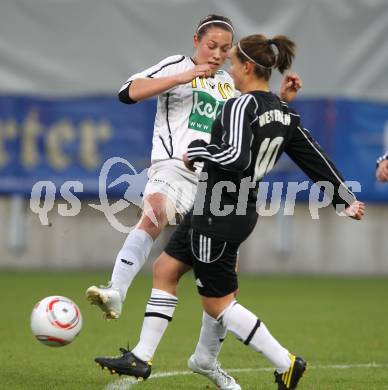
(61, 139)
(69, 139)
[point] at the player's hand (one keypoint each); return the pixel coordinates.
(290, 86)
(356, 210)
(203, 70)
(188, 164)
(382, 171)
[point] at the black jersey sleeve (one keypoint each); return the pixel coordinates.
(124, 94)
(310, 157)
(234, 152)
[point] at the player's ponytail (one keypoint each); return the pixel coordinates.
(286, 52)
(266, 54)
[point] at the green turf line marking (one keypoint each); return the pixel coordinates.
(128, 382)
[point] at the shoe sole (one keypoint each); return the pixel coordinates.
(113, 371)
(95, 298)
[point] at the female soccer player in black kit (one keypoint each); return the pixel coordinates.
(247, 140)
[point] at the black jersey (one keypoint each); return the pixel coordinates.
(246, 141)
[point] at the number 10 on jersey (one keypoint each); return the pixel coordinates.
(267, 156)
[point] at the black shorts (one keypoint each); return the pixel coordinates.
(179, 244)
(213, 260)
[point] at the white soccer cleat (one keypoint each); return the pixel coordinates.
(216, 374)
(108, 299)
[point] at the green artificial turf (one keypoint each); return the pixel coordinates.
(339, 325)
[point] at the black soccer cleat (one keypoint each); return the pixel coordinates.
(289, 380)
(126, 364)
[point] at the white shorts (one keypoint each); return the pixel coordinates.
(173, 179)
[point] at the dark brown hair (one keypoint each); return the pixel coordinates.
(260, 49)
(201, 31)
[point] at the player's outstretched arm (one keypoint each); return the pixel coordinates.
(290, 86)
(144, 88)
(309, 156)
(160, 78)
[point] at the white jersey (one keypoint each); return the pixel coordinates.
(185, 112)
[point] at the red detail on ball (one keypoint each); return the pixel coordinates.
(52, 339)
(57, 340)
(70, 325)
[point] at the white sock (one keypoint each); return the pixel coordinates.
(159, 311)
(131, 259)
(210, 342)
(249, 329)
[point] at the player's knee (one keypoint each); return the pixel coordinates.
(165, 272)
(217, 306)
(157, 269)
(154, 215)
(162, 272)
(152, 224)
(155, 212)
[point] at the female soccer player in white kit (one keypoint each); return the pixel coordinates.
(191, 92)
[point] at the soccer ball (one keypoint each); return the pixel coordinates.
(56, 321)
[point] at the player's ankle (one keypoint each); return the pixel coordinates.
(204, 362)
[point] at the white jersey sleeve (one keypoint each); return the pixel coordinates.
(164, 68)
(186, 111)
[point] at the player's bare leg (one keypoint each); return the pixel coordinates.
(158, 211)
